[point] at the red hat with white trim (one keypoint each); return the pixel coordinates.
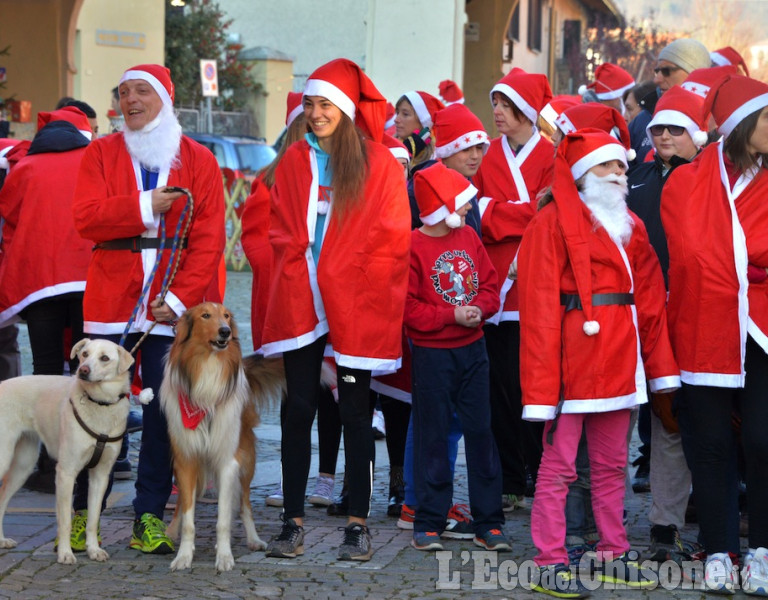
(556, 107)
(733, 99)
(343, 83)
(440, 192)
(67, 113)
(728, 56)
(457, 128)
(294, 107)
(597, 116)
(611, 81)
(450, 92)
(586, 151)
(396, 147)
(425, 105)
(530, 92)
(158, 76)
(679, 107)
(700, 81)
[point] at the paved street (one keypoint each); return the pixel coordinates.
(396, 571)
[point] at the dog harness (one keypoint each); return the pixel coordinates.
(101, 439)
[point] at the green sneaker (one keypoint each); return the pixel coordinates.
(510, 502)
(149, 536)
(77, 537)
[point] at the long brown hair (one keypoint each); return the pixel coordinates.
(349, 165)
(296, 131)
(735, 145)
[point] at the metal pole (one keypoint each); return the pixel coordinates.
(210, 114)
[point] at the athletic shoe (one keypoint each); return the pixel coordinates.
(719, 574)
(356, 544)
(641, 483)
(289, 543)
(77, 536)
(666, 544)
(558, 581)
(426, 540)
(625, 570)
(149, 536)
(754, 575)
(458, 524)
(339, 507)
(276, 497)
(377, 425)
(493, 539)
(407, 517)
(323, 494)
(510, 502)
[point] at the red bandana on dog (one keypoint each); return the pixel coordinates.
(191, 416)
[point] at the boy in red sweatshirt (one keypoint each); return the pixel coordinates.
(452, 289)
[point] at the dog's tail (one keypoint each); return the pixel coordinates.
(266, 378)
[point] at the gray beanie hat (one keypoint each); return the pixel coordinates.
(687, 53)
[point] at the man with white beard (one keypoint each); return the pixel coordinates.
(126, 202)
(593, 329)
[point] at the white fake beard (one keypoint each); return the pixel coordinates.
(606, 199)
(156, 145)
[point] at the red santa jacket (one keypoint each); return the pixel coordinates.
(43, 255)
(255, 241)
(713, 233)
(508, 187)
(107, 206)
(602, 372)
(357, 293)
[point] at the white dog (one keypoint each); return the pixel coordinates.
(81, 420)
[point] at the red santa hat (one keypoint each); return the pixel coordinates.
(679, 107)
(556, 107)
(158, 76)
(390, 117)
(396, 147)
(597, 116)
(343, 82)
(700, 81)
(457, 128)
(440, 192)
(294, 107)
(577, 153)
(611, 81)
(530, 92)
(728, 56)
(450, 92)
(425, 105)
(70, 114)
(733, 99)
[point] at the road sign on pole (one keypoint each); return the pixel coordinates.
(209, 77)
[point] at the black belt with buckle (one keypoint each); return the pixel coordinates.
(136, 244)
(573, 302)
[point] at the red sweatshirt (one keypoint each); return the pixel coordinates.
(446, 272)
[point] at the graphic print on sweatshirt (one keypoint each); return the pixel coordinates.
(455, 278)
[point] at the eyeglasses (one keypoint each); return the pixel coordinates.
(675, 130)
(666, 71)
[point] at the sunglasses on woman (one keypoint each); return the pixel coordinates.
(666, 71)
(675, 130)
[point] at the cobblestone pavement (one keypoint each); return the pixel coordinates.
(396, 571)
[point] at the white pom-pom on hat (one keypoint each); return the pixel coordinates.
(591, 327)
(582, 89)
(700, 138)
(453, 220)
(631, 154)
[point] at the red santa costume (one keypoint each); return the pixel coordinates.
(715, 216)
(593, 327)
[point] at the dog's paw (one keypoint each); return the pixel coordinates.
(181, 562)
(7, 543)
(224, 562)
(66, 557)
(146, 395)
(98, 554)
(257, 544)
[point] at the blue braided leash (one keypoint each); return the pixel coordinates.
(171, 269)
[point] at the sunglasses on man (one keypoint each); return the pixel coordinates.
(666, 71)
(675, 130)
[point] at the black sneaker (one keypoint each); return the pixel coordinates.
(641, 483)
(558, 581)
(289, 543)
(666, 544)
(625, 570)
(356, 544)
(340, 507)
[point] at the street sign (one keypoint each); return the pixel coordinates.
(209, 77)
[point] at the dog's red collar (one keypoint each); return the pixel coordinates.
(191, 415)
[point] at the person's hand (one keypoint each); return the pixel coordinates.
(163, 200)
(468, 316)
(662, 406)
(512, 273)
(161, 311)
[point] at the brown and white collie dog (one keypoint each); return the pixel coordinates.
(207, 397)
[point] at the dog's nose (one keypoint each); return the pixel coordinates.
(83, 371)
(224, 332)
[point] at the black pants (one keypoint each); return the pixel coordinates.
(46, 322)
(302, 372)
(397, 415)
(328, 431)
(705, 419)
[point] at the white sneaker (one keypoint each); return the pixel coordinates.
(379, 430)
(754, 575)
(719, 574)
(323, 494)
(276, 498)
